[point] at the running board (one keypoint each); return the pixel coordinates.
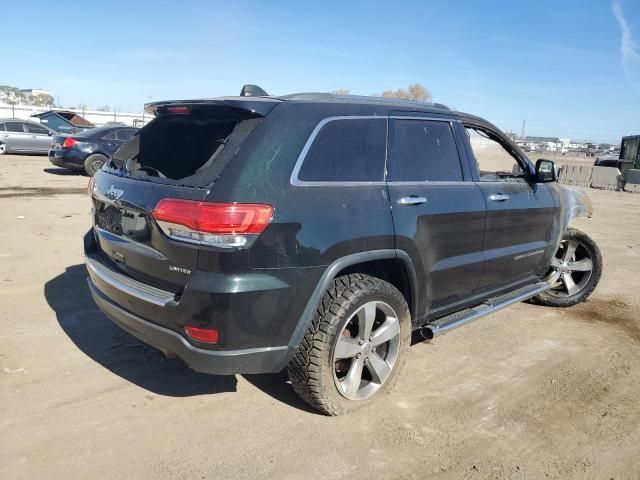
(458, 319)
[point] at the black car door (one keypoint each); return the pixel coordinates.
(439, 218)
(519, 211)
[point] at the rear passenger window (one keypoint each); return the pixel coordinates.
(347, 150)
(14, 127)
(423, 150)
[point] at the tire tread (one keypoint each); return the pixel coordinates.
(306, 368)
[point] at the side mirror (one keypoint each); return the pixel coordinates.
(546, 171)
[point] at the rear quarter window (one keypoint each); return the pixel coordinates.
(125, 134)
(346, 150)
(109, 136)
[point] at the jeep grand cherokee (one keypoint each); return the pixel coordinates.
(315, 232)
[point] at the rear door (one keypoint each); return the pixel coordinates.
(438, 212)
(16, 136)
(519, 212)
(38, 137)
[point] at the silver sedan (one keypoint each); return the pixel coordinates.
(24, 136)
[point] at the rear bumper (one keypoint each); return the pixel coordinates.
(255, 314)
(68, 158)
(227, 362)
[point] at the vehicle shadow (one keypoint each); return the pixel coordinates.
(66, 172)
(278, 387)
(126, 356)
(113, 348)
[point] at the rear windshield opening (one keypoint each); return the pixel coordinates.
(178, 146)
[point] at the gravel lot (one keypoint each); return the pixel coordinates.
(530, 392)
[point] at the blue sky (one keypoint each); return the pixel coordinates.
(570, 68)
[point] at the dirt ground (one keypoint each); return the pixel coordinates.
(530, 392)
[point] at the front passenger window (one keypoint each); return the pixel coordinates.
(495, 163)
(36, 129)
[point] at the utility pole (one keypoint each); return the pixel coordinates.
(524, 123)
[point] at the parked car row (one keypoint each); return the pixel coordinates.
(86, 150)
(90, 149)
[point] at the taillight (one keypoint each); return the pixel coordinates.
(206, 335)
(215, 224)
(69, 142)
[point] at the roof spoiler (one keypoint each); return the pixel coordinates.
(258, 106)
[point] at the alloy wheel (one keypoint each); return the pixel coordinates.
(366, 350)
(570, 270)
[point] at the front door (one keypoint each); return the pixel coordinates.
(39, 138)
(438, 212)
(519, 211)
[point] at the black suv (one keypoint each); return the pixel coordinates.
(316, 232)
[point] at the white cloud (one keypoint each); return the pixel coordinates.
(628, 47)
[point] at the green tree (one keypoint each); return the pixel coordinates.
(11, 95)
(415, 92)
(41, 100)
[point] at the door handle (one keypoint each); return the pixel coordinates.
(411, 200)
(498, 197)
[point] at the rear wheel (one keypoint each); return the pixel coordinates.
(574, 272)
(93, 163)
(355, 347)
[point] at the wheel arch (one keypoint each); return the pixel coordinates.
(386, 262)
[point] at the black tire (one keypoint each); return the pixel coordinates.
(3, 148)
(550, 300)
(93, 163)
(312, 368)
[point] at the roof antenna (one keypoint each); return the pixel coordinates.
(253, 91)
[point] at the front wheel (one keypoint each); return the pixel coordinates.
(3, 149)
(355, 347)
(574, 272)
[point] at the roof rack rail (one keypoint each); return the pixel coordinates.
(308, 96)
(311, 96)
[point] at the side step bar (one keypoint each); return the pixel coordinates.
(458, 319)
